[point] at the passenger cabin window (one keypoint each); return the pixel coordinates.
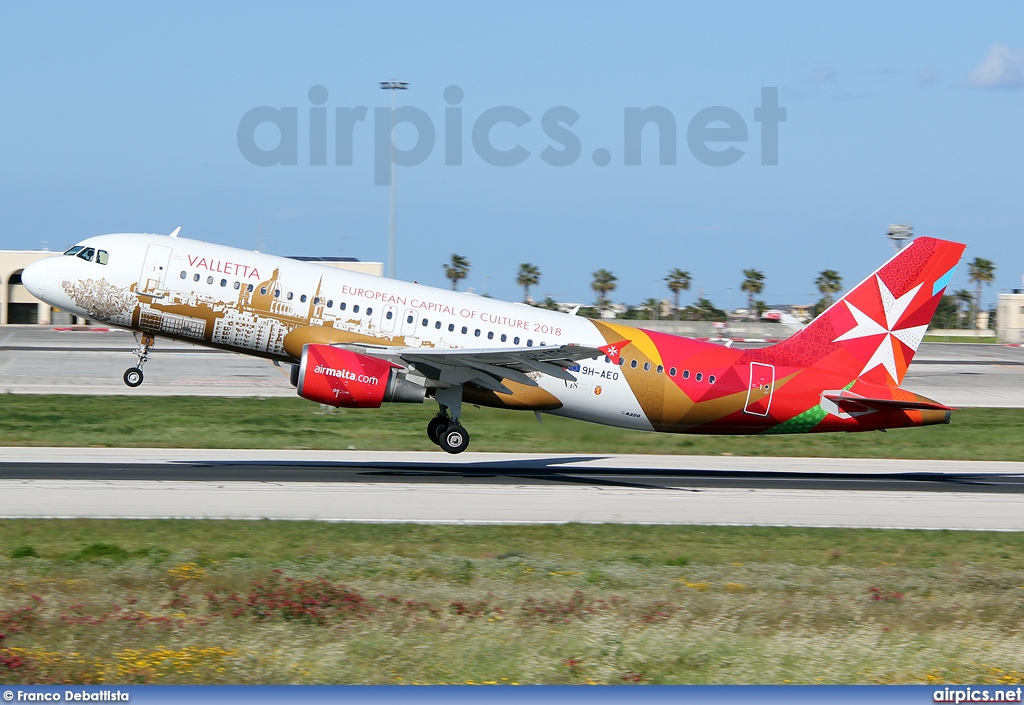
(302, 298)
(661, 368)
(409, 319)
(515, 340)
(465, 330)
(647, 367)
(699, 376)
(711, 379)
(263, 291)
(102, 256)
(209, 280)
(437, 325)
(223, 283)
(504, 337)
(238, 285)
(389, 315)
(633, 363)
(686, 374)
(490, 335)
(672, 371)
(342, 306)
(195, 277)
(369, 312)
(451, 327)
(330, 303)
(248, 288)
(355, 309)
(183, 274)
(291, 295)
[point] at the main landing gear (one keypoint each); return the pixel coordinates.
(444, 429)
(133, 376)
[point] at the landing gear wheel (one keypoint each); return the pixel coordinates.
(133, 377)
(454, 439)
(436, 425)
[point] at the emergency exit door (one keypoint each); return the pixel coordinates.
(760, 389)
(153, 276)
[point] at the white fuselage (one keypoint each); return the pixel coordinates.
(248, 302)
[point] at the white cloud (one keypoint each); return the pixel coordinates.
(1002, 68)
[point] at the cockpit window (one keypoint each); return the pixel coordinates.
(102, 257)
(74, 251)
(87, 253)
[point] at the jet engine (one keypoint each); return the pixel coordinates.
(339, 377)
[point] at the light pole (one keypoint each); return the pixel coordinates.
(392, 86)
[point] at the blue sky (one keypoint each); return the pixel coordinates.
(124, 117)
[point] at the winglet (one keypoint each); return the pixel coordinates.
(614, 350)
(176, 231)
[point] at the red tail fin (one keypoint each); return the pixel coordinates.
(874, 330)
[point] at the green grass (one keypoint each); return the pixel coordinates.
(200, 602)
(200, 422)
(959, 339)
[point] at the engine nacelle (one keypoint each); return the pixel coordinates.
(340, 377)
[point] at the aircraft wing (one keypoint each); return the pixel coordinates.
(846, 400)
(485, 367)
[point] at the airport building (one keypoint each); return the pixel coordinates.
(1010, 316)
(17, 306)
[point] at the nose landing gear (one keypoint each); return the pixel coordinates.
(133, 376)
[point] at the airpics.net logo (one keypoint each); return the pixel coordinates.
(712, 134)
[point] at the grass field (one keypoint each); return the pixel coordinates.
(301, 602)
(209, 422)
(960, 339)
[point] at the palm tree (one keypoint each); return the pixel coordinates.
(458, 269)
(980, 271)
(828, 282)
(528, 276)
(604, 281)
(753, 285)
(965, 301)
(653, 306)
(678, 281)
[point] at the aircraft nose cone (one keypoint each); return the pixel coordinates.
(33, 277)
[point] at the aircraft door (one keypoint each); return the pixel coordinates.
(387, 319)
(409, 322)
(153, 276)
(760, 389)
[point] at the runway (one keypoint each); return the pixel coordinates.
(44, 361)
(486, 488)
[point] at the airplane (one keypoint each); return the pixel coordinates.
(357, 340)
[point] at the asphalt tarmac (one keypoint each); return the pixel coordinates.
(484, 488)
(37, 360)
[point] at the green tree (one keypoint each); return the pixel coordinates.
(753, 284)
(980, 271)
(828, 282)
(456, 270)
(604, 282)
(653, 308)
(548, 303)
(528, 276)
(678, 281)
(965, 304)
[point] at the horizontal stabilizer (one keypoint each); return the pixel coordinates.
(846, 400)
